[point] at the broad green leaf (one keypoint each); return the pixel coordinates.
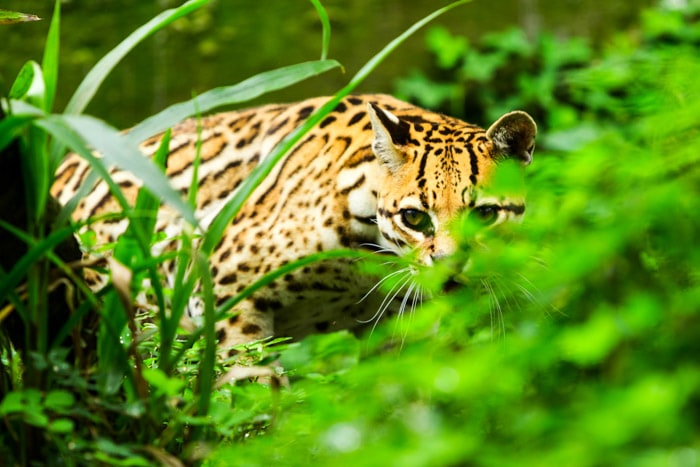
(89, 86)
(244, 91)
(118, 151)
(29, 85)
(24, 80)
(12, 402)
(36, 417)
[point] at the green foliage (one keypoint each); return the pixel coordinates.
(147, 392)
(564, 84)
(573, 339)
(576, 339)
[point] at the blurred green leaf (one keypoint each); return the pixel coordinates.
(591, 342)
(61, 425)
(24, 81)
(12, 402)
(448, 49)
(59, 400)
(244, 91)
(12, 17)
(161, 383)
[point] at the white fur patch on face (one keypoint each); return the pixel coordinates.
(362, 203)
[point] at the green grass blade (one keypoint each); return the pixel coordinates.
(30, 86)
(57, 127)
(244, 91)
(186, 284)
(23, 108)
(143, 220)
(326, 24)
(116, 150)
(89, 86)
(13, 17)
(226, 215)
(134, 245)
(206, 365)
(133, 248)
(38, 249)
(114, 367)
(391, 46)
(50, 61)
(194, 182)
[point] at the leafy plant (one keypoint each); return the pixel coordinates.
(576, 340)
(573, 341)
(148, 392)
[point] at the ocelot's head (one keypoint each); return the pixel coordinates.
(436, 170)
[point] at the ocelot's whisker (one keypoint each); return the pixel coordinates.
(374, 287)
(388, 298)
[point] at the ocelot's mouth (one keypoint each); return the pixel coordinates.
(378, 249)
(453, 283)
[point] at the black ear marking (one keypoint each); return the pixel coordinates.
(398, 130)
(513, 135)
(390, 133)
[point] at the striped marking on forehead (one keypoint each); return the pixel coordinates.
(450, 151)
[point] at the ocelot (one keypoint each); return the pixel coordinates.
(376, 174)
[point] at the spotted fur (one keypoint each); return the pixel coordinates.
(376, 173)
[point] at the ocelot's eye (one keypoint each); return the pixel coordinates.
(486, 214)
(417, 220)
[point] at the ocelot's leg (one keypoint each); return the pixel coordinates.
(246, 324)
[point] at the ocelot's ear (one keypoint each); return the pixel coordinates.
(513, 135)
(390, 132)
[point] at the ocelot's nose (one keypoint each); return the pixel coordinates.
(438, 256)
(442, 246)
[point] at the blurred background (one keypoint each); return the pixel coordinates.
(230, 40)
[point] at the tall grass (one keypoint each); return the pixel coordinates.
(146, 391)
